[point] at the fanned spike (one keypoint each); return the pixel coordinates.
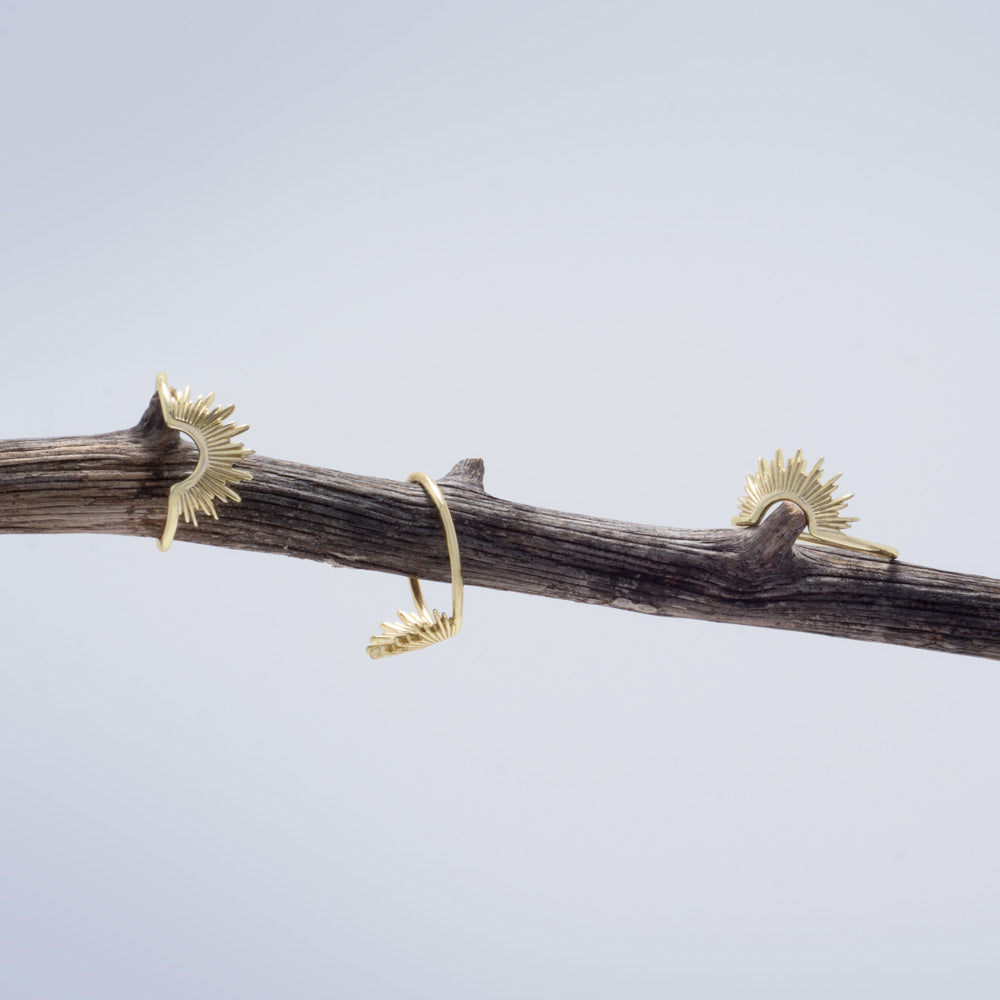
(413, 631)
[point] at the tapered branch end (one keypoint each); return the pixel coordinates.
(772, 539)
(469, 472)
(151, 424)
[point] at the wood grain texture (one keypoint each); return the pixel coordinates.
(118, 483)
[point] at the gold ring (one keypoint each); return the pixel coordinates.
(425, 628)
(216, 454)
(776, 480)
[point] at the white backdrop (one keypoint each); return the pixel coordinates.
(618, 251)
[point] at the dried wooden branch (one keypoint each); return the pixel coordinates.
(117, 483)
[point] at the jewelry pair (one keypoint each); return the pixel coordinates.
(210, 481)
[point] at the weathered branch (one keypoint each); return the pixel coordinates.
(117, 484)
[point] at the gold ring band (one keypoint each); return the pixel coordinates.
(426, 627)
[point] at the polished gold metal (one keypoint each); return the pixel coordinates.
(216, 455)
(776, 480)
(425, 628)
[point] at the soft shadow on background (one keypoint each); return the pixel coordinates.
(619, 251)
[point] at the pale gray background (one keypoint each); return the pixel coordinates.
(619, 251)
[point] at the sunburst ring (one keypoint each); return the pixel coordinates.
(209, 480)
(426, 627)
(777, 480)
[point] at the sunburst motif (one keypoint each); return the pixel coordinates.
(777, 480)
(412, 631)
(217, 452)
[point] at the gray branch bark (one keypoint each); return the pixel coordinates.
(118, 483)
